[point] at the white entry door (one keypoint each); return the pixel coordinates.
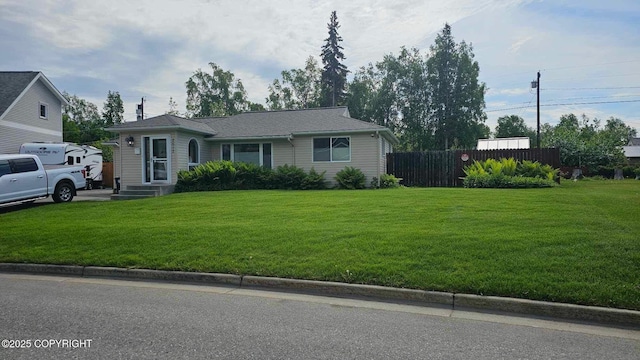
(157, 166)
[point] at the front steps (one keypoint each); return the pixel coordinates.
(142, 192)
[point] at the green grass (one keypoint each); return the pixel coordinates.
(576, 243)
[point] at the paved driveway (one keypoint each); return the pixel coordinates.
(83, 195)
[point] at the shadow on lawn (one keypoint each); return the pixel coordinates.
(4, 209)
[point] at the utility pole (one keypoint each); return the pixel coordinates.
(140, 110)
(538, 95)
(536, 84)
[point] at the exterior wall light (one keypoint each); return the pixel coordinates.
(130, 140)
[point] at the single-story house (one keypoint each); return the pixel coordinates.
(30, 110)
(632, 151)
(153, 150)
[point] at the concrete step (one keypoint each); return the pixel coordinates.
(132, 192)
(161, 189)
(139, 192)
(122, 196)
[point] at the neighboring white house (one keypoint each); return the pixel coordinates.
(30, 110)
(504, 143)
(152, 151)
(632, 151)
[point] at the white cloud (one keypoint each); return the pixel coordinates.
(150, 48)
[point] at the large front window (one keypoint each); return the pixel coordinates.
(336, 149)
(256, 153)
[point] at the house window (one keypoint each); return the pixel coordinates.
(334, 149)
(266, 155)
(259, 154)
(44, 111)
(194, 154)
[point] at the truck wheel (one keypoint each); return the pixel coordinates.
(63, 192)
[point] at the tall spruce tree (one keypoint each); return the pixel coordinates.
(334, 73)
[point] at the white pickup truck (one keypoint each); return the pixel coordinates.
(24, 178)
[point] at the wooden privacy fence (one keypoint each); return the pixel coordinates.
(107, 174)
(445, 168)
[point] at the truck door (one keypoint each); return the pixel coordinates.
(23, 182)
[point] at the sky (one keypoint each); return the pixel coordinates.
(587, 51)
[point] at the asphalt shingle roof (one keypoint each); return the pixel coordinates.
(264, 124)
(634, 142)
(12, 83)
(166, 121)
(286, 122)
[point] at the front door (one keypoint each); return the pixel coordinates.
(157, 168)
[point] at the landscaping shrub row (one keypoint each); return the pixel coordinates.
(608, 172)
(227, 175)
(509, 173)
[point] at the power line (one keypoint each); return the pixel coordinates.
(596, 88)
(597, 97)
(566, 104)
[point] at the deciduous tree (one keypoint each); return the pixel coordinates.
(513, 126)
(113, 109)
(297, 89)
(217, 93)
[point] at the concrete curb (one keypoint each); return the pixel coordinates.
(547, 309)
(608, 316)
(343, 289)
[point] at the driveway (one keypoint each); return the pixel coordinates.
(83, 195)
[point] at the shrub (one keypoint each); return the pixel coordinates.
(350, 178)
(502, 181)
(389, 181)
(509, 173)
(314, 181)
(252, 176)
(289, 177)
(212, 175)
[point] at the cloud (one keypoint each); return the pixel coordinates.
(150, 48)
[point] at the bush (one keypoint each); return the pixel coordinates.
(213, 175)
(289, 177)
(226, 175)
(350, 178)
(253, 176)
(386, 181)
(609, 171)
(503, 181)
(509, 173)
(314, 181)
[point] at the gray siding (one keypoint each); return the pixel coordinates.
(182, 150)
(365, 155)
(23, 123)
(132, 163)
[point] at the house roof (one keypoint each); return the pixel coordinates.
(634, 142)
(266, 124)
(165, 121)
(631, 151)
(14, 84)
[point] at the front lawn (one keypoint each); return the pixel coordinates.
(577, 243)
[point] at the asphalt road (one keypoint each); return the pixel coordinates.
(146, 320)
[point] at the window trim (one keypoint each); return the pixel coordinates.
(44, 105)
(331, 138)
(191, 165)
(260, 152)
